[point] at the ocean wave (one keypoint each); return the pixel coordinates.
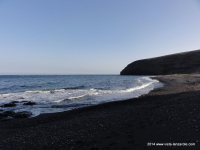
(136, 88)
(55, 90)
(37, 91)
(76, 87)
(69, 99)
(4, 95)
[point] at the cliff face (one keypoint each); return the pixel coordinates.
(180, 63)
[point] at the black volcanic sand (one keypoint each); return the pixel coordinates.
(166, 115)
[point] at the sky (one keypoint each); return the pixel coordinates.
(92, 36)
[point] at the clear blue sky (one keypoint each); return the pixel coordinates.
(92, 36)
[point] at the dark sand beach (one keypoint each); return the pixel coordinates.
(167, 115)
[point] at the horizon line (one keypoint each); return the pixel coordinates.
(50, 74)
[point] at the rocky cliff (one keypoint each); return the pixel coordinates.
(180, 63)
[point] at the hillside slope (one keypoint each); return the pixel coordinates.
(180, 63)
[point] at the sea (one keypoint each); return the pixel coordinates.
(57, 93)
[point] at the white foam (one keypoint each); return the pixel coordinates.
(136, 88)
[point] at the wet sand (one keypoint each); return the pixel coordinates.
(166, 115)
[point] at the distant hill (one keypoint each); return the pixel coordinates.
(180, 63)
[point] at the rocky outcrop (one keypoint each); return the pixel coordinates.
(7, 115)
(11, 104)
(180, 63)
(29, 103)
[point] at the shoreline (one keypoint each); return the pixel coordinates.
(167, 114)
(30, 103)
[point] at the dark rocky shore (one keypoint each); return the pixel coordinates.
(7, 115)
(180, 63)
(166, 115)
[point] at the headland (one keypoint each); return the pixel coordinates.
(180, 63)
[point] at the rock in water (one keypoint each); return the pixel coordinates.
(180, 63)
(9, 105)
(9, 113)
(29, 103)
(23, 114)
